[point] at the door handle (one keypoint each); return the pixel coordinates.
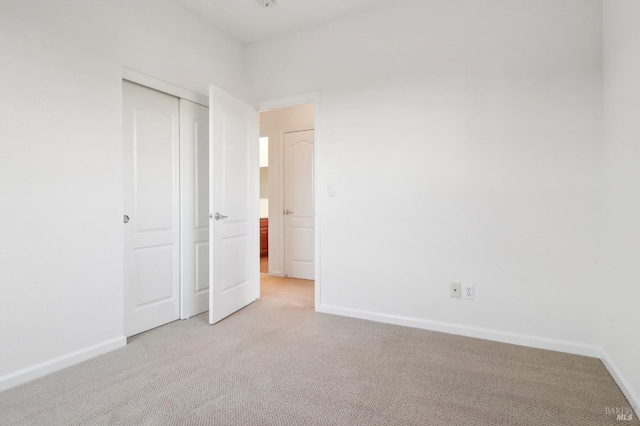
(125, 219)
(288, 212)
(219, 216)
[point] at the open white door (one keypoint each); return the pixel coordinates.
(234, 278)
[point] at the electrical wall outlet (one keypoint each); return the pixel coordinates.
(467, 291)
(455, 290)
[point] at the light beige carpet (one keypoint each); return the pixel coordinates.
(277, 362)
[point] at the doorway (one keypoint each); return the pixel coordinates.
(287, 199)
(264, 204)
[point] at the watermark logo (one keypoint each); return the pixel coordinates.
(620, 413)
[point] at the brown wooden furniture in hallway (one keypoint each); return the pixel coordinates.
(264, 237)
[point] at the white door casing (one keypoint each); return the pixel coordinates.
(234, 279)
(151, 200)
(299, 211)
(194, 208)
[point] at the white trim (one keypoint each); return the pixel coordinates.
(634, 400)
(307, 98)
(461, 330)
(296, 130)
(39, 370)
(164, 86)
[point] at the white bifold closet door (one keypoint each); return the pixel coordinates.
(194, 207)
(234, 208)
(151, 143)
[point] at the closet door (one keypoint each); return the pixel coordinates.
(194, 207)
(151, 201)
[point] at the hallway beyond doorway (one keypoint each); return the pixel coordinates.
(288, 291)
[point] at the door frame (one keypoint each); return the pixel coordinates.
(137, 77)
(143, 79)
(307, 98)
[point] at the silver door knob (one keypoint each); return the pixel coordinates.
(288, 212)
(219, 216)
(125, 219)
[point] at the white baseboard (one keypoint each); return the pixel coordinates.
(461, 330)
(633, 399)
(30, 373)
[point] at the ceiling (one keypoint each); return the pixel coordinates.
(249, 22)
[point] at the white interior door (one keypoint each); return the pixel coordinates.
(234, 212)
(151, 198)
(194, 208)
(299, 213)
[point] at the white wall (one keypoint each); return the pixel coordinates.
(273, 123)
(621, 287)
(61, 162)
(464, 138)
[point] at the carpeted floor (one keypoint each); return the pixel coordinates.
(277, 362)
